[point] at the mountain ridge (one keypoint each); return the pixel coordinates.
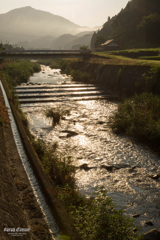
(27, 24)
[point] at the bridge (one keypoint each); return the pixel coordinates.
(8, 54)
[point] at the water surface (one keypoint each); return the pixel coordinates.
(102, 158)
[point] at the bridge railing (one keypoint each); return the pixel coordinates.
(42, 51)
(7, 54)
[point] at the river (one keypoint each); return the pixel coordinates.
(102, 158)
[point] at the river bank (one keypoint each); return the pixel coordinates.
(120, 80)
(87, 116)
(101, 158)
(48, 190)
(19, 210)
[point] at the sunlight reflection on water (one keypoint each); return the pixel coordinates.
(113, 161)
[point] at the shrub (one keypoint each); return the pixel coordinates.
(58, 168)
(139, 117)
(20, 71)
(55, 115)
(81, 76)
(53, 63)
(152, 78)
(97, 218)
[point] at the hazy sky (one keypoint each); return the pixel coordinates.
(89, 13)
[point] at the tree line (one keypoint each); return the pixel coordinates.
(137, 25)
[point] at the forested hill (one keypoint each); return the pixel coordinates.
(137, 25)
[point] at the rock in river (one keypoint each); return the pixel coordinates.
(152, 235)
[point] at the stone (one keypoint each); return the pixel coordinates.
(85, 167)
(133, 169)
(149, 223)
(153, 234)
(136, 215)
(123, 165)
(101, 122)
(70, 133)
(108, 167)
(155, 177)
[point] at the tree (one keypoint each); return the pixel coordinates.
(150, 26)
(85, 49)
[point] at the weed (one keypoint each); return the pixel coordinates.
(62, 237)
(56, 115)
(139, 117)
(4, 118)
(23, 118)
(81, 76)
(53, 63)
(18, 72)
(97, 218)
(59, 168)
(152, 78)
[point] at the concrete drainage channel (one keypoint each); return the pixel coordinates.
(28, 168)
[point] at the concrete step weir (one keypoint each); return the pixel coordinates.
(31, 86)
(54, 90)
(58, 93)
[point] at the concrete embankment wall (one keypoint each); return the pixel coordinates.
(119, 80)
(48, 188)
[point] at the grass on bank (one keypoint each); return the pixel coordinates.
(155, 58)
(53, 63)
(58, 168)
(138, 51)
(139, 117)
(17, 72)
(4, 118)
(133, 56)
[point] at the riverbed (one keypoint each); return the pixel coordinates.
(126, 169)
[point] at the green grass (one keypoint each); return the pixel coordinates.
(18, 72)
(137, 50)
(81, 76)
(125, 56)
(53, 63)
(139, 117)
(58, 168)
(98, 218)
(151, 58)
(15, 73)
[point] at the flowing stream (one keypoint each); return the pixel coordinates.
(126, 169)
